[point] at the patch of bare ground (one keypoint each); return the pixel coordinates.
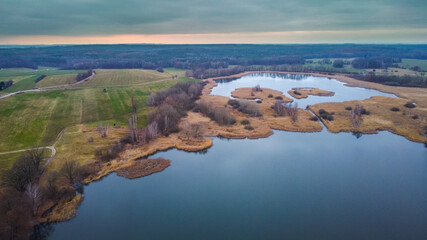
(408, 122)
(142, 168)
(299, 93)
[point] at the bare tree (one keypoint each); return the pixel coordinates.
(356, 115)
(70, 171)
(103, 130)
(291, 110)
(35, 195)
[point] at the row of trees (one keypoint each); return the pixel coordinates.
(82, 76)
(172, 104)
(393, 80)
(5, 84)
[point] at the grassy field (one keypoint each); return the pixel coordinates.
(113, 77)
(35, 119)
(56, 80)
(24, 78)
(408, 63)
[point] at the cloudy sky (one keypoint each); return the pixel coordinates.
(212, 21)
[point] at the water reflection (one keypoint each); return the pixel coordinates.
(285, 82)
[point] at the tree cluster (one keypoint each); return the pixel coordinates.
(5, 84)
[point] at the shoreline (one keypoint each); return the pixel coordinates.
(263, 126)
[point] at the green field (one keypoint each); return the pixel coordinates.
(409, 63)
(24, 78)
(35, 119)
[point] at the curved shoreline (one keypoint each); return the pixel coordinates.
(263, 126)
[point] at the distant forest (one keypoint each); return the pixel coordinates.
(194, 56)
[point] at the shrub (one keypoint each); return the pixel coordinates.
(203, 107)
(348, 108)
(326, 115)
(322, 111)
(249, 127)
(90, 139)
(245, 122)
(296, 92)
(410, 105)
(249, 108)
(314, 119)
(259, 101)
(107, 154)
(222, 116)
(234, 103)
(279, 98)
(270, 95)
(415, 117)
(394, 109)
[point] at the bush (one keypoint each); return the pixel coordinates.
(107, 154)
(326, 115)
(296, 92)
(394, 109)
(279, 98)
(90, 139)
(222, 116)
(410, 105)
(257, 88)
(415, 117)
(348, 108)
(203, 107)
(270, 95)
(249, 108)
(322, 111)
(245, 122)
(249, 127)
(314, 119)
(234, 103)
(259, 101)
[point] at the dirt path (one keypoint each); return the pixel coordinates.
(51, 148)
(50, 88)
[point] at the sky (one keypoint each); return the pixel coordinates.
(212, 21)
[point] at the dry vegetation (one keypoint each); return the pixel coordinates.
(299, 93)
(408, 122)
(142, 168)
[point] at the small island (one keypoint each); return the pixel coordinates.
(300, 93)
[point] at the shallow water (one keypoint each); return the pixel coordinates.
(287, 186)
(285, 82)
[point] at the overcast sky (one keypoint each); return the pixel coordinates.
(59, 21)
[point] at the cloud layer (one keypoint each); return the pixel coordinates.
(103, 17)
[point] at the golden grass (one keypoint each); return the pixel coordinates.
(309, 91)
(75, 146)
(109, 77)
(65, 211)
(380, 117)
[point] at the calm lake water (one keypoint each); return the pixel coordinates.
(285, 82)
(287, 186)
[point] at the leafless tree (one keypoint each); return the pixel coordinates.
(103, 129)
(356, 115)
(70, 171)
(35, 196)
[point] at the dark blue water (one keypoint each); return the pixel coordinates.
(290, 185)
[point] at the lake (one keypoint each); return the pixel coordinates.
(287, 186)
